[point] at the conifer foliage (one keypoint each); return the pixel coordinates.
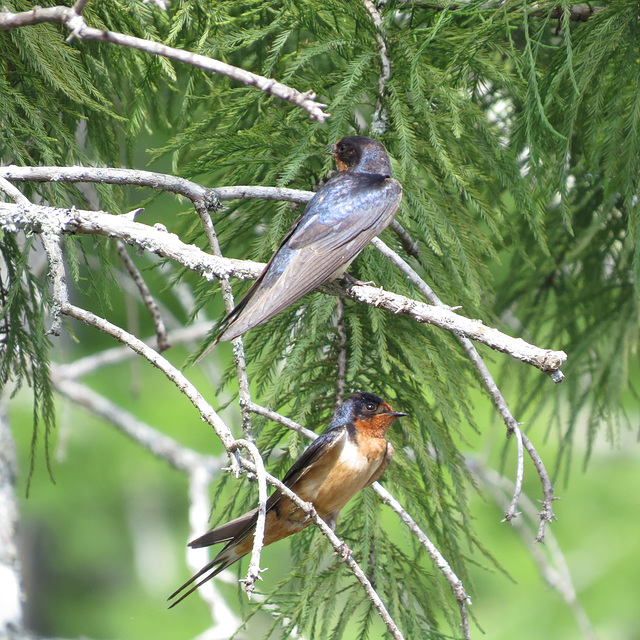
(514, 129)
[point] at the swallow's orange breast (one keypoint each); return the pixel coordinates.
(334, 482)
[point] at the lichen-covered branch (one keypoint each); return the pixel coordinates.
(78, 28)
(73, 221)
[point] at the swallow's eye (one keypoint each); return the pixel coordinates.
(342, 147)
(370, 406)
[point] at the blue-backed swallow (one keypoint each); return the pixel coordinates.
(349, 456)
(353, 207)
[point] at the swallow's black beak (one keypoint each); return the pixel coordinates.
(331, 149)
(397, 414)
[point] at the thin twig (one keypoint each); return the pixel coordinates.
(287, 422)
(32, 218)
(512, 511)
(546, 510)
(379, 117)
(147, 298)
(254, 571)
(79, 29)
(546, 513)
(408, 243)
(244, 394)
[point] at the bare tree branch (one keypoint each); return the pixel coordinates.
(150, 179)
(408, 243)
(78, 28)
(287, 422)
(512, 511)
(253, 572)
(51, 244)
(17, 217)
(244, 395)
(147, 298)
(546, 510)
(546, 513)
(379, 117)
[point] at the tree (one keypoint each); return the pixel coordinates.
(514, 132)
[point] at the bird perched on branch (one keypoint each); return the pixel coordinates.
(349, 456)
(353, 207)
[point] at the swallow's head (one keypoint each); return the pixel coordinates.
(362, 155)
(367, 412)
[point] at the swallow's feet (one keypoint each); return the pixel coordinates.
(312, 513)
(350, 281)
(344, 552)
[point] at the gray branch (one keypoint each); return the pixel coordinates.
(379, 117)
(78, 28)
(147, 298)
(546, 513)
(253, 572)
(31, 218)
(239, 359)
(51, 244)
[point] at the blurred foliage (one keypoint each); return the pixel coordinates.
(515, 136)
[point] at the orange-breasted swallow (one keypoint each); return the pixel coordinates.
(353, 207)
(349, 456)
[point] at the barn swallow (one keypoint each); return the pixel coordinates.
(353, 207)
(349, 456)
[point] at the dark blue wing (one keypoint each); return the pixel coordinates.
(340, 220)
